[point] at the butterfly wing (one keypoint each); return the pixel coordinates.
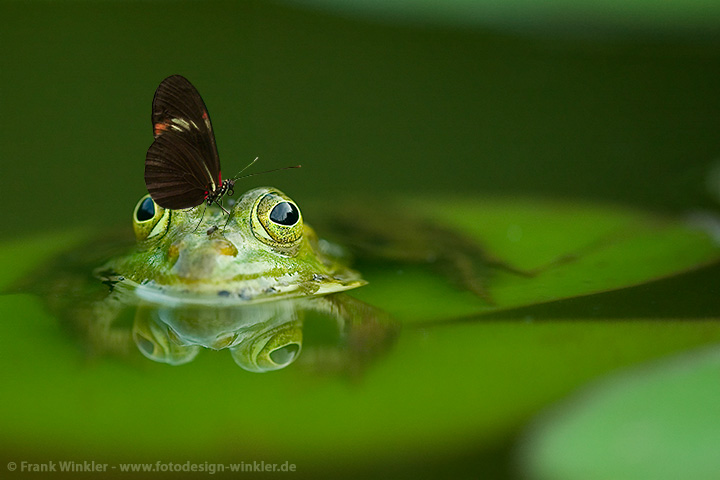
(174, 177)
(182, 164)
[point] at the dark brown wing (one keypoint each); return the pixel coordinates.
(183, 161)
(173, 176)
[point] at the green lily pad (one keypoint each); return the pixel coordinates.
(659, 421)
(573, 249)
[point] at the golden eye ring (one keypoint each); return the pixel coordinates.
(277, 222)
(150, 219)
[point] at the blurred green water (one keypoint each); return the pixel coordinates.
(367, 108)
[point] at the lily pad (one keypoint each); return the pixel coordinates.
(659, 421)
(572, 249)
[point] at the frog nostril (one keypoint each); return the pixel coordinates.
(224, 247)
(225, 341)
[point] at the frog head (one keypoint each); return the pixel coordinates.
(258, 250)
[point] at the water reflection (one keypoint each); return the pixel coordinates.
(266, 336)
(344, 334)
(260, 337)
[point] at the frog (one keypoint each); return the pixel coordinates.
(263, 252)
(247, 276)
(243, 277)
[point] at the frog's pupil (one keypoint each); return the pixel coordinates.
(146, 210)
(285, 213)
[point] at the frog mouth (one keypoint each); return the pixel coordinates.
(242, 294)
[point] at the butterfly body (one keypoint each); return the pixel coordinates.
(227, 187)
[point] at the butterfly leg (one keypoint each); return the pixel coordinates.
(201, 218)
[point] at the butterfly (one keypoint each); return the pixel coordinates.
(182, 166)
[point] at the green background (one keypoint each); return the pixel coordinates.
(365, 105)
(616, 103)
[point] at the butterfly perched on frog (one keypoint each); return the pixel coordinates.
(182, 166)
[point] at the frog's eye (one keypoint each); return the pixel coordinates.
(277, 222)
(159, 342)
(150, 219)
(269, 350)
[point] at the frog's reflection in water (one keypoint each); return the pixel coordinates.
(345, 333)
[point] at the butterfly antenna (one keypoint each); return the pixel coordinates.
(267, 171)
(246, 167)
(238, 176)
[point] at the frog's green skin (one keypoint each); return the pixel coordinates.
(203, 256)
(202, 278)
